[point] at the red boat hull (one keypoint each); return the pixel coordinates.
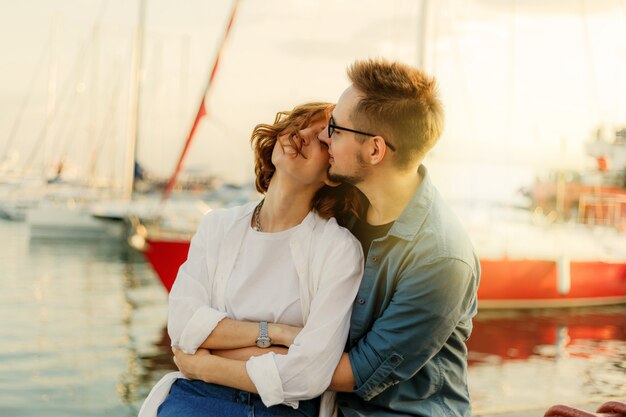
(504, 283)
(166, 256)
(507, 283)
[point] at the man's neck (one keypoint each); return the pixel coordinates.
(389, 193)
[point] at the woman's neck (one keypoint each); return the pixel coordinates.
(284, 207)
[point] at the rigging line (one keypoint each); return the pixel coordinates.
(512, 64)
(105, 131)
(591, 73)
(62, 130)
(463, 84)
(79, 58)
(72, 125)
(620, 114)
(94, 82)
(73, 114)
(25, 101)
(153, 96)
(435, 30)
(184, 79)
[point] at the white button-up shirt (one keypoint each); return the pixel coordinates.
(329, 265)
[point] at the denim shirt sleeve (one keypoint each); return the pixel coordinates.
(428, 302)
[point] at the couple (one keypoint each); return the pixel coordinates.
(261, 310)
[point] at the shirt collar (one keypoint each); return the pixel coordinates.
(414, 214)
(307, 224)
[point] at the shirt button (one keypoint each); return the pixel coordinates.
(374, 258)
(361, 301)
(395, 359)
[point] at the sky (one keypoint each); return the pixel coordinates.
(524, 83)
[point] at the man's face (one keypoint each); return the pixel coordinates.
(346, 161)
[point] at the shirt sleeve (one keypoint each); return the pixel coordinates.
(306, 370)
(190, 317)
(428, 303)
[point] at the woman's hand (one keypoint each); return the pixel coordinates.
(193, 366)
(283, 334)
(205, 367)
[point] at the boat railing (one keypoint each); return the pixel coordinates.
(603, 209)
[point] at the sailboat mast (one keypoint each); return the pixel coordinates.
(51, 101)
(422, 35)
(134, 102)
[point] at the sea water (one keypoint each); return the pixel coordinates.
(83, 333)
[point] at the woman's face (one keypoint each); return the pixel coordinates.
(310, 166)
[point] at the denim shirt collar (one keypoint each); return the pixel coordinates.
(415, 213)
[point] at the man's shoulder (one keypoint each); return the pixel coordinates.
(442, 237)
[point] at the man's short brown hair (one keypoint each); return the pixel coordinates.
(400, 103)
(340, 201)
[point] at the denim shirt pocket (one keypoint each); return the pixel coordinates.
(380, 381)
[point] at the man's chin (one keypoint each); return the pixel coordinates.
(335, 177)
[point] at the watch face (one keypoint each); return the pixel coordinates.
(263, 342)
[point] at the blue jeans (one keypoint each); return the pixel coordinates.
(199, 399)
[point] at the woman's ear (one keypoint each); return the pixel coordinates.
(331, 183)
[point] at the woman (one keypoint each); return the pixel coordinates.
(263, 302)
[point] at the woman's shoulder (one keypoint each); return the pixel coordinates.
(332, 234)
(225, 217)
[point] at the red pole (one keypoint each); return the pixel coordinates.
(202, 108)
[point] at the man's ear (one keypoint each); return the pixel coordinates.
(377, 150)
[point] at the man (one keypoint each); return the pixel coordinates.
(413, 312)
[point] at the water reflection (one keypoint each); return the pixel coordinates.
(75, 317)
(538, 358)
(514, 335)
(82, 332)
(521, 359)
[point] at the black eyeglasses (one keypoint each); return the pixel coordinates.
(332, 127)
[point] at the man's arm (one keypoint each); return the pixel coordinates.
(428, 303)
(343, 378)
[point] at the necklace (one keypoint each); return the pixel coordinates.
(257, 217)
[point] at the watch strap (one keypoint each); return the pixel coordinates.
(263, 330)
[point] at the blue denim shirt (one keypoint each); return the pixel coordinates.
(413, 314)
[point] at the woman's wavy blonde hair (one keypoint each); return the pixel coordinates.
(340, 201)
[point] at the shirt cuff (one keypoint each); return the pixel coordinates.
(378, 379)
(264, 374)
(198, 328)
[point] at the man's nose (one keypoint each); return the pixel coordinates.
(323, 136)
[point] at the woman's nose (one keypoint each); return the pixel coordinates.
(305, 137)
(323, 137)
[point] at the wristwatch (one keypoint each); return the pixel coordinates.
(263, 341)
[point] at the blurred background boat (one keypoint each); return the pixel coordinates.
(564, 250)
(568, 248)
